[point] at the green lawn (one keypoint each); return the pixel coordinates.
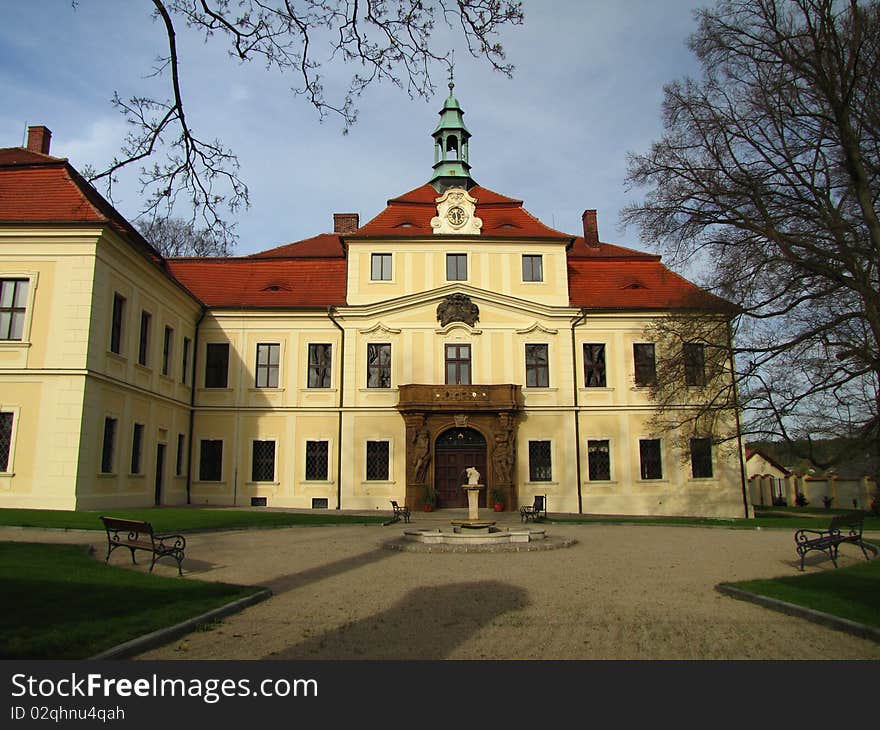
(852, 593)
(63, 604)
(179, 519)
(788, 522)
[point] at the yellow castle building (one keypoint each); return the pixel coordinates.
(370, 364)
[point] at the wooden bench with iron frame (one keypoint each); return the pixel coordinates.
(843, 529)
(400, 512)
(535, 511)
(138, 535)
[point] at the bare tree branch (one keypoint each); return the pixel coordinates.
(386, 40)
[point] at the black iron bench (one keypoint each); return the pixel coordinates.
(534, 511)
(843, 529)
(136, 535)
(400, 512)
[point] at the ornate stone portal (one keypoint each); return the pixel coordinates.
(431, 410)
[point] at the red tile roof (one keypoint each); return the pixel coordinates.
(37, 188)
(312, 273)
(263, 283)
(324, 245)
(410, 214)
(639, 283)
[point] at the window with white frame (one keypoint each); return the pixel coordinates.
(216, 364)
(320, 365)
(537, 366)
(108, 448)
(380, 267)
(268, 359)
(211, 460)
(599, 460)
(701, 458)
(7, 419)
(263, 461)
(13, 308)
(317, 460)
(532, 267)
(378, 453)
(117, 323)
(137, 448)
(650, 459)
(540, 466)
(144, 341)
(181, 453)
(378, 365)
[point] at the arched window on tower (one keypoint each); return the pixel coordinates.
(452, 147)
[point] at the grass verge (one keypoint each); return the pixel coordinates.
(178, 519)
(852, 593)
(872, 523)
(66, 605)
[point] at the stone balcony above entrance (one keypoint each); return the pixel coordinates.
(486, 398)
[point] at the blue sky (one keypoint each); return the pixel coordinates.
(586, 91)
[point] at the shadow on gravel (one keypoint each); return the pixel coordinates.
(428, 623)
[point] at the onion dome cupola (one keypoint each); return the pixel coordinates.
(451, 168)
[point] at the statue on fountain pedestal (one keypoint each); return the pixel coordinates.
(473, 475)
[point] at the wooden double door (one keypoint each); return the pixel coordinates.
(454, 451)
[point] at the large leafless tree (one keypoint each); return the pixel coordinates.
(383, 40)
(766, 178)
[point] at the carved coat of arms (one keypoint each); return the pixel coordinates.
(458, 308)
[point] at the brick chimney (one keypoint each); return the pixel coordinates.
(345, 222)
(591, 229)
(38, 139)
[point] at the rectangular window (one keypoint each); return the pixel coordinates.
(268, 357)
(458, 364)
(599, 458)
(694, 364)
(537, 370)
(701, 458)
(316, 460)
(13, 304)
(645, 365)
(378, 365)
(263, 461)
(116, 325)
(540, 468)
(651, 461)
(167, 341)
(594, 365)
(6, 419)
(184, 363)
(181, 447)
(108, 450)
(320, 359)
(377, 461)
(144, 343)
(532, 268)
(456, 267)
(211, 460)
(137, 448)
(380, 267)
(216, 364)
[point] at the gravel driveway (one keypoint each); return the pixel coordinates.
(621, 592)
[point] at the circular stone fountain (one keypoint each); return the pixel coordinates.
(476, 535)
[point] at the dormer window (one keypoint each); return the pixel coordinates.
(380, 267)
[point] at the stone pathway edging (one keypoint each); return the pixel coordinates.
(819, 617)
(163, 636)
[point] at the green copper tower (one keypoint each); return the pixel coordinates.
(451, 168)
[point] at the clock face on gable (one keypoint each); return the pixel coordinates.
(456, 216)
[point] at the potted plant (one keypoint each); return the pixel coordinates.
(430, 498)
(498, 500)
